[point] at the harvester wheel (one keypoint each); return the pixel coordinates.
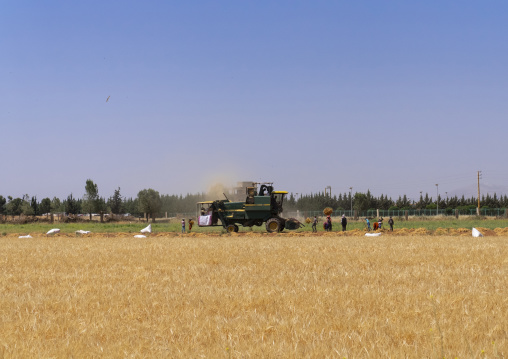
(231, 228)
(274, 225)
(236, 228)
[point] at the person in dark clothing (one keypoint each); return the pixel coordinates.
(329, 221)
(343, 221)
(314, 224)
(390, 222)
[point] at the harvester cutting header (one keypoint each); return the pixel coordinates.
(260, 206)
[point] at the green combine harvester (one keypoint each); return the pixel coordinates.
(263, 206)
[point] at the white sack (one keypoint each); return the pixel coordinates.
(147, 229)
(139, 236)
(27, 236)
(476, 233)
(82, 232)
(53, 231)
(373, 234)
(205, 221)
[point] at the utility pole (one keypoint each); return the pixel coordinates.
(351, 197)
(437, 199)
(478, 211)
(330, 188)
(421, 201)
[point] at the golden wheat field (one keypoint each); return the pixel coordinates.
(256, 296)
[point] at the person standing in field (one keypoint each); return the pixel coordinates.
(329, 222)
(314, 224)
(368, 224)
(343, 221)
(191, 222)
(390, 222)
(183, 225)
(380, 222)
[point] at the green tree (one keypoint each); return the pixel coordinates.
(35, 206)
(131, 206)
(45, 206)
(3, 201)
(115, 202)
(149, 202)
(290, 203)
(360, 202)
(72, 206)
(372, 201)
(56, 205)
(453, 202)
(427, 200)
(13, 207)
(91, 198)
(102, 207)
(27, 209)
(403, 202)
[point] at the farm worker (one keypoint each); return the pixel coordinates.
(183, 225)
(380, 222)
(343, 221)
(368, 224)
(390, 222)
(329, 221)
(191, 222)
(314, 224)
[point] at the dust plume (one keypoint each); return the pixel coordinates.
(216, 191)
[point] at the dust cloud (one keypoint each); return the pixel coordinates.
(217, 190)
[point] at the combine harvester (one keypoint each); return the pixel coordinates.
(263, 206)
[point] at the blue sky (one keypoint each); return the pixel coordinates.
(391, 96)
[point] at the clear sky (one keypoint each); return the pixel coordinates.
(391, 96)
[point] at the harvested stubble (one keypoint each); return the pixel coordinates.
(254, 296)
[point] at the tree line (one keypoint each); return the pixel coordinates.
(150, 203)
(366, 201)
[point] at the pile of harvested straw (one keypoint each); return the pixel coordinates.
(328, 211)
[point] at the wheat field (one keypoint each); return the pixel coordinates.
(257, 296)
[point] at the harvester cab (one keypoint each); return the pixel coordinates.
(261, 206)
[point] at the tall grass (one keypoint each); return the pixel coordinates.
(268, 296)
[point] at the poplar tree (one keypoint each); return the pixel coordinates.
(116, 202)
(91, 198)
